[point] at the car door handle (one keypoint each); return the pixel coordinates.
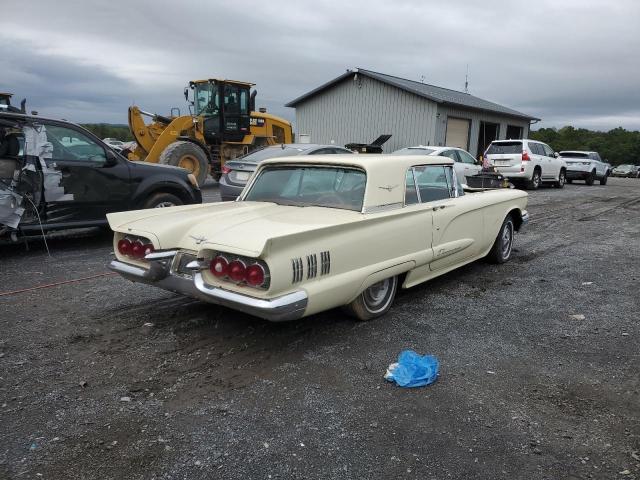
(439, 207)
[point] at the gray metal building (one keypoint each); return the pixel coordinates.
(360, 104)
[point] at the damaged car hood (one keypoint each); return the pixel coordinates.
(235, 227)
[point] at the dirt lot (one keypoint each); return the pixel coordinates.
(107, 379)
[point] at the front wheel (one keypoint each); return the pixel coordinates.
(189, 156)
(162, 200)
(603, 180)
(503, 245)
(375, 301)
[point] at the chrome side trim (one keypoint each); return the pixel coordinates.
(287, 307)
(383, 208)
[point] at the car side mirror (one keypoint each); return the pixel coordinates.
(556, 154)
(112, 158)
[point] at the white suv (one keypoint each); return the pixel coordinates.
(527, 161)
(587, 166)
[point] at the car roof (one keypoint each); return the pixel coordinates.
(304, 146)
(386, 173)
(36, 118)
(365, 161)
(577, 151)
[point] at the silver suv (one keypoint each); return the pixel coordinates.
(527, 162)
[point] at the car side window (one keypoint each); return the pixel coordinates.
(465, 157)
(548, 151)
(536, 148)
(432, 182)
(452, 154)
(71, 145)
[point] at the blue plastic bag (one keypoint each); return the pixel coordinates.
(413, 370)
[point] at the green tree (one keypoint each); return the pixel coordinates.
(617, 146)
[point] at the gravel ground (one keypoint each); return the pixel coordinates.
(107, 379)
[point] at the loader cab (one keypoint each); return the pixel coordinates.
(224, 107)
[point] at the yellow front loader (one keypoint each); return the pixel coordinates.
(223, 125)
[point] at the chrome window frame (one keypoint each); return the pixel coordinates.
(453, 192)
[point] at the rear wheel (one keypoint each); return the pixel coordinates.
(375, 301)
(162, 200)
(535, 181)
(603, 180)
(503, 246)
(188, 156)
(590, 178)
(562, 179)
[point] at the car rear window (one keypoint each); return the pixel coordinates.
(267, 153)
(504, 147)
(414, 151)
(574, 155)
(307, 186)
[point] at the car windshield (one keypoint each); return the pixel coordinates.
(271, 152)
(625, 167)
(504, 148)
(310, 186)
(414, 151)
(574, 155)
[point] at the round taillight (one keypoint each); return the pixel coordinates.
(147, 249)
(137, 249)
(124, 246)
(255, 275)
(219, 267)
(237, 271)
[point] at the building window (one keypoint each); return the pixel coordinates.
(514, 132)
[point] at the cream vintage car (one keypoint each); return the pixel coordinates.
(313, 233)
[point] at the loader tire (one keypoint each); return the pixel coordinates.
(188, 156)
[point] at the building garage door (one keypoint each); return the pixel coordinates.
(457, 133)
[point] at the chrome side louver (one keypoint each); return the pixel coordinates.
(312, 265)
(296, 265)
(325, 262)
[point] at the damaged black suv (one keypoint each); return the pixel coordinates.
(56, 175)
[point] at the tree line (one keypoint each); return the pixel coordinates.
(109, 130)
(617, 146)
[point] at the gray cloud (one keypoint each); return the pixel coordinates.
(571, 62)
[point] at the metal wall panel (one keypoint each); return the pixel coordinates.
(476, 117)
(360, 110)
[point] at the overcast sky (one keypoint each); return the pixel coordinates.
(571, 62)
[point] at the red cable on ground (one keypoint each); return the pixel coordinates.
(49, 285)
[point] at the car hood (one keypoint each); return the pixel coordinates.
(244, 228)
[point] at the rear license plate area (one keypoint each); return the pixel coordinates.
(179, 266)
(241, 177)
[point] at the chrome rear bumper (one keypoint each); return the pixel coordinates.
(286, 307)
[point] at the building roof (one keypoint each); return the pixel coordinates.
(431, 92)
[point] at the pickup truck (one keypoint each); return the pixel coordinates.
(587, 166)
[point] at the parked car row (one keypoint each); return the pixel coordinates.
(626, 170)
